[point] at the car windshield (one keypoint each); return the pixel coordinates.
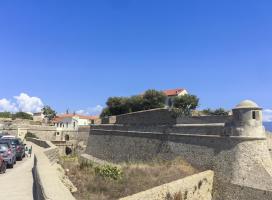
(3, 147)
(11, 141)
(15, 142)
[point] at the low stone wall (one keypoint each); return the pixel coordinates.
(47, 177)
(38, 192)
(195, 187)
(50, 150)
(161, 116)
(43, 132)
(39, 142)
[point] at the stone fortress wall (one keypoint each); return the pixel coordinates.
(235, 147)
(43, 131)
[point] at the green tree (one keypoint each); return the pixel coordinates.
(118, 105)
(105, 112)
(136, 103)
(153, 99)
(49, 113)
(22, 115)
(186, 103)
(5, 115)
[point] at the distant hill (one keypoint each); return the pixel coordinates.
(268, 126)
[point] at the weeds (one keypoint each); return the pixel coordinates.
(108, 182)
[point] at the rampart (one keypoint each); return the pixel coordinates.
(237, 152)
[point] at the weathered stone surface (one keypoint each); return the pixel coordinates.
(195, 187)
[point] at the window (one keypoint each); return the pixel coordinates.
(66, 124)
(74, 124)
(253, 114)
(256, 115)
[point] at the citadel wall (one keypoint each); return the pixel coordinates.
(236, 150)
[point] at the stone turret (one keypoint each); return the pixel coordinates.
(247, 170)
(246, 121)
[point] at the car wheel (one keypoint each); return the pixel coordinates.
(11, 165)
(4, 168)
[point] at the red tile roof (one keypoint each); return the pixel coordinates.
(58, 118)
(173, 92)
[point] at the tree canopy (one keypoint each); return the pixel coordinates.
(5, 115)
(49, 113)
(186, 103)
(120, 105)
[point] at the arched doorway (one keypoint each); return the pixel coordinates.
(67, 137)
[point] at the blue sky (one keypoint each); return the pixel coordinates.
(75, 54)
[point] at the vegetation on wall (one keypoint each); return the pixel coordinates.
(108, 182)
(216, 112)
(151, 99)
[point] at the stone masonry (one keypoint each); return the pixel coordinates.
(234, 147)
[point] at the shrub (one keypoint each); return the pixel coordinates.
(5, 115)
(216, 112)
(185, 104)
(30, 135)
(22, 115)
(108, 171)
(85, 164)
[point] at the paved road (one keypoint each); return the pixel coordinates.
(17, 183)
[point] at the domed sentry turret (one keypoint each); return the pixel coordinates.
(247, 120)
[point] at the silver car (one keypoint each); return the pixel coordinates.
(8, 153)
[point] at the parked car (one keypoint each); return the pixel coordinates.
(8, 137)
(3, 165)
(7, 152)
(18, 145)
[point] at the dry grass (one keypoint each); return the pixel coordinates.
(136, 177)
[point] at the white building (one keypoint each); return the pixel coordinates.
(71, 122)
(171, 94)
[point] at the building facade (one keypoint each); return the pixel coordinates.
(171, 94)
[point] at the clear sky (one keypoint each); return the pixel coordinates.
(75, 54)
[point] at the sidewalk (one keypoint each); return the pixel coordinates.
(17, 183)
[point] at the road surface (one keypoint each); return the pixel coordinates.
(17, 183)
